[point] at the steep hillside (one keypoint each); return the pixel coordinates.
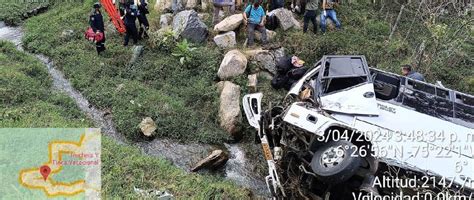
(29, 102)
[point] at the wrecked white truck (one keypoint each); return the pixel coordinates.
(346, 131)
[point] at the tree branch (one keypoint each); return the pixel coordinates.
(396, 22)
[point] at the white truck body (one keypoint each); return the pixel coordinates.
(398, 133)
(408, 123)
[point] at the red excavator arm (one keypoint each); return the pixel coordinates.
(113, 15)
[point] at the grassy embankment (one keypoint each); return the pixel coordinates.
(26, 98)
(29, 102)
(181, 99)
(13, 12)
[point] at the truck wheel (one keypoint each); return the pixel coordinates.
(335, 162)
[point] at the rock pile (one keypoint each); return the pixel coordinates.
(233, 23)
(167, 5)
(258, 62)
(235, 64)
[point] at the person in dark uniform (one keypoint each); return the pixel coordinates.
(142, 19)
(96, 22)
(122, 6)
(130, 25)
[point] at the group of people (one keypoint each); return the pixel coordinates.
(327, 11)
(289, 68)
(254, 17)
(129, 13)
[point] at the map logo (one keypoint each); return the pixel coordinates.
(48, 163)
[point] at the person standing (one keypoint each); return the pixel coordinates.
(310, 15)
(254, 19)
(122, 6)
(129, 19)
(142, 19)
(96, 21)
(328, 11)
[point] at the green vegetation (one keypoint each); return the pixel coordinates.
(438, 45)
(147, 173)
(29, 103)
(26, 97)
(182, 99)
(12, 13)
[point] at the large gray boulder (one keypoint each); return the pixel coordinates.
(286, 19)
(187, 24)
(265, 59)
(166, 20)
(265, 75)
(233, 64)
(229, 23)
(225, 40)
(229, 109)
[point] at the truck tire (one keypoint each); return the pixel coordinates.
(335, 162)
